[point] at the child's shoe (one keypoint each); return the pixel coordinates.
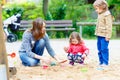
(71, 63)
(103, 67)
(81, 62)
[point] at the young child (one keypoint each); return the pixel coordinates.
(103, 30)
(77, 51)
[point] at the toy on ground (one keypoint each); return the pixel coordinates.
(100, 68)
(63, 61)
(11, 64)
(44, 66)
(12, 55)
(53, 64)
(84, 69)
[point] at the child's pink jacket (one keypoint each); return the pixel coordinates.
(77, 48)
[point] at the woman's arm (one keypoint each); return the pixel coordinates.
(50, 49)
(48, 46)
(26, 44)
(44, 59)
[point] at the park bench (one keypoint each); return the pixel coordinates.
(81, 24)
(54, 25)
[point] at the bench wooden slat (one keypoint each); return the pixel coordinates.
(58, 25)
(59, 21)
(47, 26)
(26, 21)
(27, 26)
(53, 29)
(48, 22)
(60, 29)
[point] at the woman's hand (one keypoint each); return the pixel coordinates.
(46, 61)
(59, 60)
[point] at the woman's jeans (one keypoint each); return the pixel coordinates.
(38, 49)
(103, 51)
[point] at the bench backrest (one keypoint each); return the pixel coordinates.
(61, 24)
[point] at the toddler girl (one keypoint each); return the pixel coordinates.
(77, 51)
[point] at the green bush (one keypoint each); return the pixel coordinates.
(75, 10)
(28, 11)
(57, 11)
(32, 11)
(88, 31)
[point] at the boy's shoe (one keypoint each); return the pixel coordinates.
(103, 67)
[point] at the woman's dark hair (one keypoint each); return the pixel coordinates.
(37, 28)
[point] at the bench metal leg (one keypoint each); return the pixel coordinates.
(66, 33)
(80, 29)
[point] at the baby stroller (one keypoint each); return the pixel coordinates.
(13, 23)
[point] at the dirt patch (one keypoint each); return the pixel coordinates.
(89, 71)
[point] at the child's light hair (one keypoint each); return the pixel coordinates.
(75, 35)
(102, 4)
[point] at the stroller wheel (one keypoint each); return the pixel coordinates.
(11, 38)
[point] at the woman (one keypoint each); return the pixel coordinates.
(34, 41)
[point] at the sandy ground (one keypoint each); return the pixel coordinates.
(90, 71)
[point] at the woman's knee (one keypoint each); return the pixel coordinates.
(33, 63)
(27, 61)
(42, 42)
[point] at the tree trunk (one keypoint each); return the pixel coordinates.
(3, 55)
(118, 31)
(90, 1)
(45, 7)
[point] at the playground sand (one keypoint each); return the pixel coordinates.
(89, 71)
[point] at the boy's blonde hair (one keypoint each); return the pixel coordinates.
(102, 4)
